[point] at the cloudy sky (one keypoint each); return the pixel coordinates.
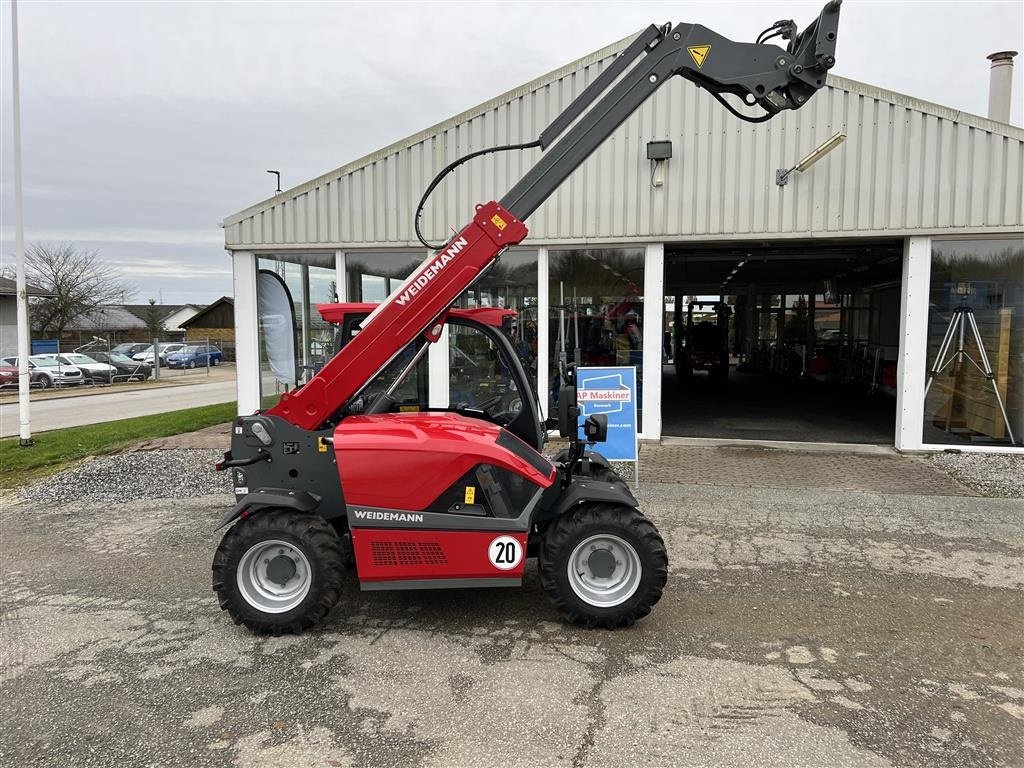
(144, 124)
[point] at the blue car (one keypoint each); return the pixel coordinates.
(194, 356)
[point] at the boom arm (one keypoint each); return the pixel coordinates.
(761, 74)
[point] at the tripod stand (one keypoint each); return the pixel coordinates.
(962, 317)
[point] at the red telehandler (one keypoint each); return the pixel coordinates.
(461, 497)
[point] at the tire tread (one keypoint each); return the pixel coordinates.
(560, 536)
(325, 547)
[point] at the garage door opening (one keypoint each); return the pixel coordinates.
(782, 341)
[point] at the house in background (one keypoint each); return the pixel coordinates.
(9, 313)
(171, 315)
(128, 322)
(215, 324)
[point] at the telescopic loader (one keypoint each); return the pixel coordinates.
(461, 497)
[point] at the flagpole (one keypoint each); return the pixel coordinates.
(24, 382)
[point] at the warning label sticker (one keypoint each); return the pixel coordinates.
(698, 53)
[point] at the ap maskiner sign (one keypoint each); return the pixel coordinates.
(613, 392)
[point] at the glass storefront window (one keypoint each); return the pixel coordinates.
(310, 279)
(977, 296)
(373, 275)
(512, 284)
(596, 312)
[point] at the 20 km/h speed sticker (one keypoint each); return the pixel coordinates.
(505, 553)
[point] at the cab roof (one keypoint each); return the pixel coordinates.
(493, 316)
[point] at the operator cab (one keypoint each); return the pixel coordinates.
(487, 379)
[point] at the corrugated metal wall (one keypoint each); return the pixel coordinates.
(907, 166)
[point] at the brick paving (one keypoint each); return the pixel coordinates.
(770, 468)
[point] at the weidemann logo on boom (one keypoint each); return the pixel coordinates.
(431, 270)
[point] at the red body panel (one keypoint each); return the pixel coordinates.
(406, 460)
(414, 307)
(387, 554)
(336, 312)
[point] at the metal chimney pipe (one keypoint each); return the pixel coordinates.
(1000, 88)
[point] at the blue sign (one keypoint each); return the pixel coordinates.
(611, 391)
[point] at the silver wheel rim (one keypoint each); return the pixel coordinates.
(604, 570)
(274, 576)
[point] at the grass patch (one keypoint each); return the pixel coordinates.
(54, 450)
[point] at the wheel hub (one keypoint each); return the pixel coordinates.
(601, 563)
(281, 569)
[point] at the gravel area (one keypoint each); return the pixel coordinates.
(991, 474)
(171, 474)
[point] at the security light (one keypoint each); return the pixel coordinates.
(658, 152)
(782, 175)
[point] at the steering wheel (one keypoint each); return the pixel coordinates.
(511, 404)
(489, 403)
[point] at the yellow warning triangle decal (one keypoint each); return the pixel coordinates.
(699, 53)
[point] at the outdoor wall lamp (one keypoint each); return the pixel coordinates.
(658, 152)
(782, 174)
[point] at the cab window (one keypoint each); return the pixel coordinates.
(480, 377)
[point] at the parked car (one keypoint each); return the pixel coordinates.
(92, 369)
(131, 348)
(9, 376)
(194, 355)
(127, 369)
(146, 356)
(52, 372)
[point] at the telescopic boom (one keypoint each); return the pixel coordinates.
(761, 74)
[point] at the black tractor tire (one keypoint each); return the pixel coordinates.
(624, 523)
(317, 541)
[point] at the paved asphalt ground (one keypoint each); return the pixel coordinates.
(800, 627)
(110, 404)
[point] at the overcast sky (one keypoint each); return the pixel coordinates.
(145, 124)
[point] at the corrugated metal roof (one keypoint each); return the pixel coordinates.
(908, 166)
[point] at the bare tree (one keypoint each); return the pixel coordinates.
(80, 281)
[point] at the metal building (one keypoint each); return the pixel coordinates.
(837, 286)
